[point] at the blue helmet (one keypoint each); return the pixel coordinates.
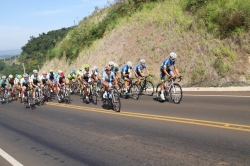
(16, 75)
(72, 71)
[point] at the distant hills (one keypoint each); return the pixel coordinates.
(7, 53)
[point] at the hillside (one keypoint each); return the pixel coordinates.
(206, 56)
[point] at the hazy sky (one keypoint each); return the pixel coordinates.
(20, 19)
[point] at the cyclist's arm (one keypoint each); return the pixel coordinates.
(176, 70)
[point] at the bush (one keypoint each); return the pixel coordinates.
(221, 16)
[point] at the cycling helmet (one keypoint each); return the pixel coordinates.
(111, 63)
(35, 71)
(16, 75)
(50, 70)
(115, 65)
(44, 73)
(25, 75)
(10, 76)
(86, 66)
(19, 76)
(94, 67)
(4, 77)
(107, 68)
(59, 71)
(173, 55)
(72, 71)
(142, 61)
(129, 64)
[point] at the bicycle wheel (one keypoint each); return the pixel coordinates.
(176, 93)
(122, 91)
(158, 91)
(67, 96)
(116, 102)
(149, 88)
(94, 97)
(135, 91)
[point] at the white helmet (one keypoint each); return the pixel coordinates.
(3, 77)
(35, 71)
(111, 63)
(129, 64)
(115, 65)
(59, 71)
(142, 61)
(94, 67)
(25, 75)
(173, 55)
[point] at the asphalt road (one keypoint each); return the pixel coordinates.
(206, 128)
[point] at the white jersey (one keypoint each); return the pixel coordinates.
(16, 81)
(34, 79)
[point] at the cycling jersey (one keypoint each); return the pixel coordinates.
(34, 79)
(44, 79)
(167, 63)
(25, 82)
(51, 76)
(11, 81)
(108, 78)
(139, 67)
(71, 76)
(86, 75)
(60, 79)
(3, 83)
(126, 69)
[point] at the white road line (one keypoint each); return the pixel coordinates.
(215, 95)
(10, 159)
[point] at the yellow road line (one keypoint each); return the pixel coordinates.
(163, 118)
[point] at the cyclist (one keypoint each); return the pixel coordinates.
(3, 85)
(61, 81)
(165, 70)
(25, 84)
(71, 77)
(95, 76)
(17, 84)
(85, 78)
(35, 82)
(51, 75)
(139, 69)
(126, 75)
(108, 78)
(10, 86)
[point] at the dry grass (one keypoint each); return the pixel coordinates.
(153, 34)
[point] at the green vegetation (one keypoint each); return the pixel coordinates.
(34, 52)
(221, 17)
(84, 35)
(7, 69)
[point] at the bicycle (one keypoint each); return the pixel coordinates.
(171, 89)
(146, 85)
(112, 100)
(28, 100)
(133, 89)
(5, 98)
(92, 94)
(64, 95)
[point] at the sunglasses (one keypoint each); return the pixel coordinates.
(172, 59)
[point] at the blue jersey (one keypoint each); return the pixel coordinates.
(139, 67)
(167, 63)
(126, 69)
(51, 76)
(108, 78)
